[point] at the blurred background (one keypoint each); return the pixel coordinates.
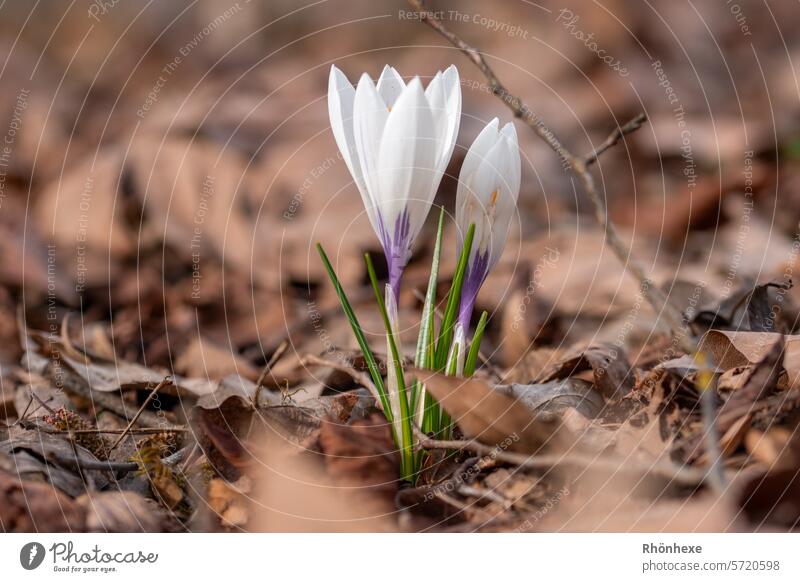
(166, 167)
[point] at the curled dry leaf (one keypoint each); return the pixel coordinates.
(609, 365)
(735, 414)
(731, 349)
(558, 395)
(751, 308)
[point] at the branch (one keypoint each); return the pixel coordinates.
(579, 165)
(613, 139)
(136, 416)
(678, 475)
(96, 465)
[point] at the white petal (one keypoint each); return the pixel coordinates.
(341, 98)
(508, 192)
(485, 183)
(479, 148)
(471, 199)
(452, 89)
(514, 174)
(369, 119)
(444, 96)
(437, 100)
(407, 159)
(390, 86)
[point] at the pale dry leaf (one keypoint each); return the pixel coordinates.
(489, 415)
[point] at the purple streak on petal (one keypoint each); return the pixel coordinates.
(397, 248)
(473, 279)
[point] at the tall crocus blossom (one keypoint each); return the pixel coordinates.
(488, 188)
(396, 140)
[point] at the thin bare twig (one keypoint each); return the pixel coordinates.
(614, 137)
(679, 475)
(136, 416)
(272, 361)
(42, 403)
(579, 165)
(94, 465)
(32, 425)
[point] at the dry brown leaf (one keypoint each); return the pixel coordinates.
(558, 395)
(609, 365)
(36, 507)
(731, 349)
(490, 416)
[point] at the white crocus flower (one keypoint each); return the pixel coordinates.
(488, 188)
(396, 140)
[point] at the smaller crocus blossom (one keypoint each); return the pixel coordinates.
(488, 188)
(396, 139)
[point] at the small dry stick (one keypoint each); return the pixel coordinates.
(136, 416)
(42, 403)
(35, 426)
(613, 139)
(272, 361)
(677, 474)
(579, 165)
(93, 465)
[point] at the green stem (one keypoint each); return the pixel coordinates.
(406, 433)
